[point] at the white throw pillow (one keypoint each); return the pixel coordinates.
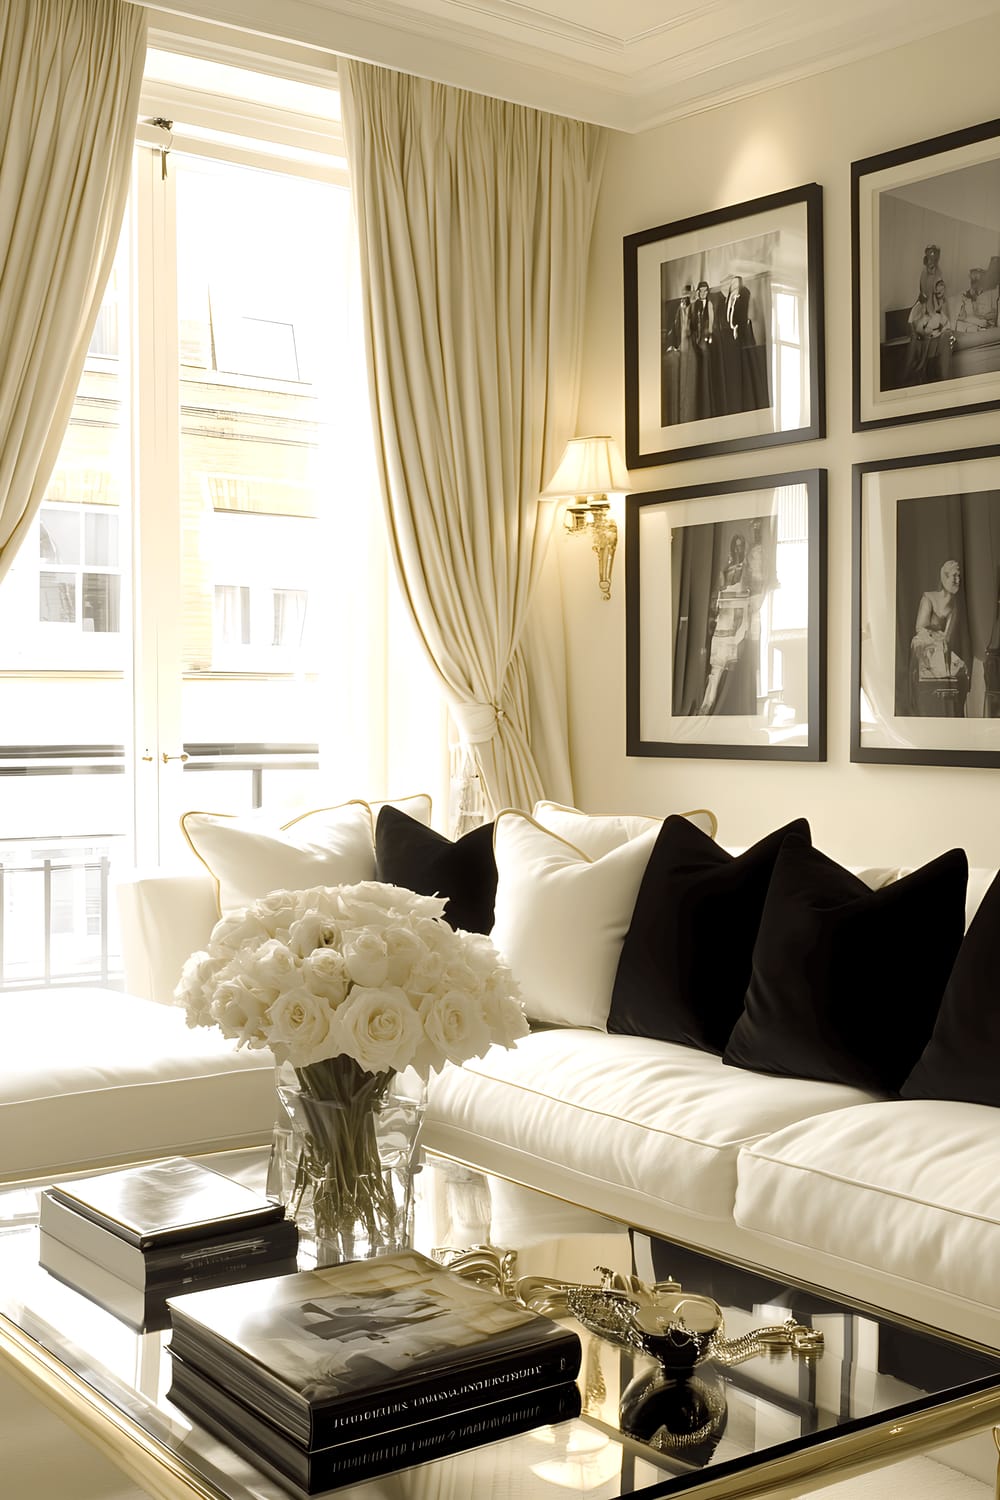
(597, 834)
(247, 857)
(561, 917)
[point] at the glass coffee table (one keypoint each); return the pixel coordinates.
(772, 1422)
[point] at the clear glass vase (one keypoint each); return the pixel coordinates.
(344, 1156)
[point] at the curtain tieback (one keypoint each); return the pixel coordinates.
(476, 722)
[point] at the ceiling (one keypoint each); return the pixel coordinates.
(628, 64)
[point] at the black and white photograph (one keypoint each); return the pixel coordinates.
(723, 573)
(715, 334)
(926, 223)
(927, 609)
(725, 619)
(723, 330)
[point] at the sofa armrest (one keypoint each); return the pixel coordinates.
(164, 918)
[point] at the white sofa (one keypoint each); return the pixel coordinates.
(895, 1203)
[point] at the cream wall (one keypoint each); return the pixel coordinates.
(808, 131)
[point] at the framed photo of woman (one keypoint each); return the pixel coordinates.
(724, 330)
(925, 657)
(926, 279)
(725, 619)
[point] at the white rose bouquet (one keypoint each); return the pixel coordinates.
(349, 985)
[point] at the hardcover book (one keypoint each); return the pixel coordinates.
(165, 1202)
(361, 1348)
(362, 1458)
(168, 1222)
(144, 1308)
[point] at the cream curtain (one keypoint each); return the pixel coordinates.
(70, 72)
(474, 219)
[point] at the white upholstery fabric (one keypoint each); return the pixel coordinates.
(907, 1186)
(622, 1124)
(164, 918)
(596, 834)
(560, 918)
(94, 1077)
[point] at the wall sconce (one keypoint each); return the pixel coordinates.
(591, 468)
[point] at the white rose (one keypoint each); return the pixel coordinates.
(312, 930)
(302, 1028)
(480, 954)
(457, 975)
(455, 1025)
(381, 1029)
(424, 977)
(366, 958)
(237, 928)
(199, 970)
(360, 908)
(319, 898)
(272, 965)
(503, 1008)
(241, 1012)
(436, 934)
(324, 974)
(404, 949)
(277, 910)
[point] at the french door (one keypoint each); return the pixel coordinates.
(175, 633)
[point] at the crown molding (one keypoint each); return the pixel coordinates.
(628, 67)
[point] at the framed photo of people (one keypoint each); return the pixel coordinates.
(925, 657)
(926, 277)
(725, 619)
(724, 330)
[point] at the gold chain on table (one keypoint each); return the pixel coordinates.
(773, 1338)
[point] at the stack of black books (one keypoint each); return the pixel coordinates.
(132, 1238)
(339, 1374)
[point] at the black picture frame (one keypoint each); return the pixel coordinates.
(726, 643)
(925, 692)
(721, 376)
(916, 357)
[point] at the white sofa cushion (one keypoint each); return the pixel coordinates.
(598, 833)
(561, 918)
(621, 1123)
(247, 858)
(93, 1077)
(907, 1187)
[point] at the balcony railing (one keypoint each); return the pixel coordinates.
(42, 951)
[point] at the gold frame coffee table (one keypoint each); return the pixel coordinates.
(882, 1389)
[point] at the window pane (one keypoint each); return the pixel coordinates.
(59, 535)
(232, 614)
(57, 598)
(100, 539)
(101, 602)
(262, 292)
(289, 616)
(64, 795)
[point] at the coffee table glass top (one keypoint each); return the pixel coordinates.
(876, 1386)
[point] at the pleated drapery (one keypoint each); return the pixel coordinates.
(70, 73)
(474, 219)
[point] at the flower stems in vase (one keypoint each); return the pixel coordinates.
(336, 1179)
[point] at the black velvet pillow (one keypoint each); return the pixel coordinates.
(960, 1060)
(685, 962)
(410, 854)
(847, 981)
